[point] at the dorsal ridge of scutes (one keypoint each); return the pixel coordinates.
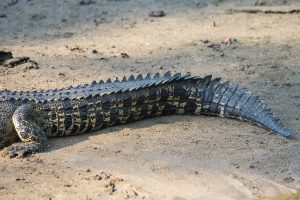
(124, 79)
(139, 77)
(156, 76)
(93, 83)
(167, 75)
(98, 87)
(117, 80)
(148, 76)
(108, 80)
(131, 78)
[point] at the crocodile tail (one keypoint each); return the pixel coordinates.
(226, 99)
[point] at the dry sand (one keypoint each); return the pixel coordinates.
(174, 157)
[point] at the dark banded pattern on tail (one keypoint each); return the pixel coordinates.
(91, 107)
(226, 99)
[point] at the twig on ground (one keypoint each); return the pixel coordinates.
(264, 9)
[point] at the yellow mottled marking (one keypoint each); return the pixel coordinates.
(198, 109)
(52, 122)
(180, 108)
(221, 114)
(61, 118)
(76, 116)
(160, 109)
(91, 117)
(98, 111)
(150, 107)
(171, 93)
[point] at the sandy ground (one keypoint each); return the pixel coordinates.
(175, 157)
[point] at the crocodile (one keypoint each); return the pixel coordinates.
(28, 119)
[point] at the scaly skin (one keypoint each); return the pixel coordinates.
(32, 117)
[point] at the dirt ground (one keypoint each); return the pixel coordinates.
(174, 157)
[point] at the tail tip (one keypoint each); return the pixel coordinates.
(285, 132)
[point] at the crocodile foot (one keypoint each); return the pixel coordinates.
(22, 150)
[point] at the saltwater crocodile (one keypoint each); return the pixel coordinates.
(27, 119)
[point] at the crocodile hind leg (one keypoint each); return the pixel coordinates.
(25, 120)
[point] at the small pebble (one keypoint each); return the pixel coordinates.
(288, 180)
(287, 84)
(86, 2)
(157, 13)
(228, 40)
(124, 55)
(214, 46)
